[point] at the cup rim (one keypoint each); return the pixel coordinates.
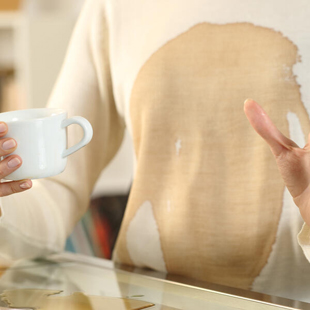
(54, 112)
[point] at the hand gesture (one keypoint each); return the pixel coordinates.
(293, 162)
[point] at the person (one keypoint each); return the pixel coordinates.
(207, 200)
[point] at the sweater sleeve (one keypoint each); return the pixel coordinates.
(38, 221)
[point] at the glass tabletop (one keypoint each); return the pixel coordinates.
(100, 284)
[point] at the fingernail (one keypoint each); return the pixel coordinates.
(24, 185)
(14, 162)
(247, 100)
(2, 128)
(9, 144)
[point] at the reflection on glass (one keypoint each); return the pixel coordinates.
(59, 283)
(46, 300)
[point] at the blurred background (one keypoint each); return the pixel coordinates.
(34, 35)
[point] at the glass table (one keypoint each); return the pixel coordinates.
(101, 284)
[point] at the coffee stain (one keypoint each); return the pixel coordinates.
(48, 300)
(225, 187)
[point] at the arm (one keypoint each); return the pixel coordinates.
(38, 221)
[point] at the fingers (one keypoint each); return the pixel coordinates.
(8, 188)
(7, 146)
(3, 129)
(9, 164)
(263, 125)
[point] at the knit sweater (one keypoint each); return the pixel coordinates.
(207, 200)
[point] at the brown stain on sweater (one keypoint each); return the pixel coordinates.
(222, 183)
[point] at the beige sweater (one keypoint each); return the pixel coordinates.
(207, 200)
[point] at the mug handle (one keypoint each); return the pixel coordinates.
(88, 133)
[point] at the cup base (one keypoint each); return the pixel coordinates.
(11, 176)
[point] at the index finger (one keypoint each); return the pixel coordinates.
(263, 125)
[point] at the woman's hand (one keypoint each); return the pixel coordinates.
(293, 162)
(10, 164)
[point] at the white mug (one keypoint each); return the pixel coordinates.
(41, 136)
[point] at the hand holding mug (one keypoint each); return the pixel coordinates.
(10, 164)
(34, 145)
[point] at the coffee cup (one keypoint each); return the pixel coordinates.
(41, 136)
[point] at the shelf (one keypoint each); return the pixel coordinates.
(10, 19)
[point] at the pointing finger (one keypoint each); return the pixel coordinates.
(263, 125)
